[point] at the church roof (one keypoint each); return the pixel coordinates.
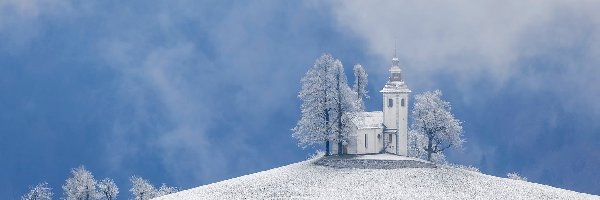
(368, 120)
(395, 87)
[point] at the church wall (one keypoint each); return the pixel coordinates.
(351, 148)
(396, 117)
(392, 146)
(373, 143)
(390, 113)
(403, 126)
(333, 147)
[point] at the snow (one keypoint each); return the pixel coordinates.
(360, 85)
(307, 180)
(366, 120)
(386, 156)
(374, 161)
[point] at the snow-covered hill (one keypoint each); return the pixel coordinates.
(373, 178)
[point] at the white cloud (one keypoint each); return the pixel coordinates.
(166, 70)
(19, 19)
(165, 82)
(466, 39)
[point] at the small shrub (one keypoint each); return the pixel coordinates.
(516, 176)
(464, 167)
(469, 168)
(317, 154)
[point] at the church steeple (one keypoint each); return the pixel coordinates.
(395, 71)
(395, 109)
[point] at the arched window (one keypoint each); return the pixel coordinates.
(390, 102)
(402, 102)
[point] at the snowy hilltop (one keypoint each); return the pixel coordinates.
(380, 176)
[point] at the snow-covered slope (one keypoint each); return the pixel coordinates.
(307, 180)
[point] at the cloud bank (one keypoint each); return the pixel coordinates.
(193, 92)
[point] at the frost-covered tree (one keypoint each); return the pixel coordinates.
(142, 189)
(39, 192)
(343, 107)
(164, 190)
(360, 86)
(81, 185)
(416, 142)
(433, 122)
(107, 189)
(314, 124)
(327, 105)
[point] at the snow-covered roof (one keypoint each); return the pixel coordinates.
(395, 87)
(366, 120)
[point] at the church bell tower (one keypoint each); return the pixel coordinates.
(395, 110)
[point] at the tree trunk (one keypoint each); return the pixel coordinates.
(428, 155)
(340, 150)
(358, 86)
(328, 131)
(340, 144)
(429, 148)
(327, 148)
(339, 114)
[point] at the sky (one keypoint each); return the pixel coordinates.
(193, 92)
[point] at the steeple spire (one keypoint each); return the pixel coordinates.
(395, 60)
(395, 69)
(395, 56)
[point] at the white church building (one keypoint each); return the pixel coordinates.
(386, 130)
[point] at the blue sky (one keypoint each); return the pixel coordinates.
(188, 93)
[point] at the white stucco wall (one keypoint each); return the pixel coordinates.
(403, 124)
(396, 117)
(391, 148)
(390, 113)
(373, 143)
